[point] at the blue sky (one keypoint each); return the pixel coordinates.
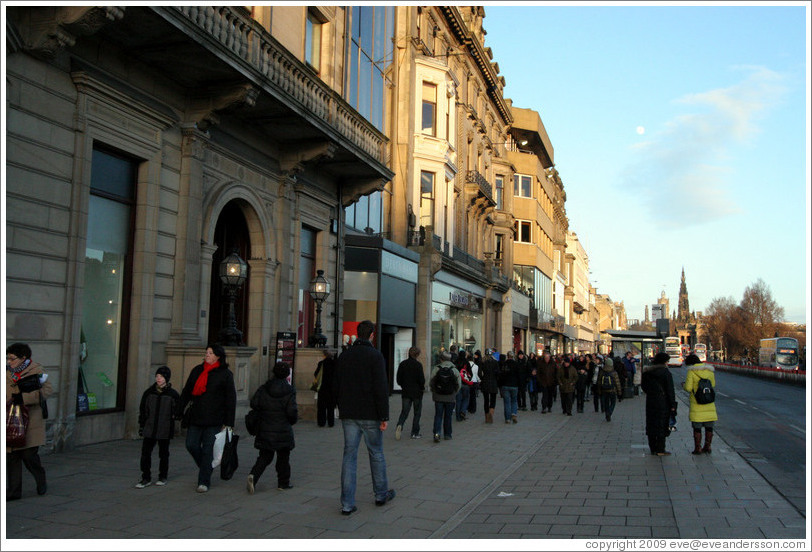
(681, 136)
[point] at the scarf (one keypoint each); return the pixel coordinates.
(203, 378)
(15, 372)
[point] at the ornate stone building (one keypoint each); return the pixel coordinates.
(144, 144)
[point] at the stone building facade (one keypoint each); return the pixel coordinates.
(373, 143)
(143, 145)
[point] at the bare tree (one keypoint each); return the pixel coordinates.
(758, 301)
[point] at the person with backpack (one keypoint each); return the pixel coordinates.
(444, 382)
(275, 404)
(700, 383)
(608, 388)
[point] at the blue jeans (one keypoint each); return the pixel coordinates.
(200, 444)
(463, 397)
(407, 404)
(442, 416)
(373, 438)
(510, 396)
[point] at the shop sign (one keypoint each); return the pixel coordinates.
(398, 267)
(464, 301)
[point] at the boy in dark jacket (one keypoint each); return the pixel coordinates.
(275, 401)
(156, 422)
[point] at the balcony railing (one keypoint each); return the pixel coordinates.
(234, 30)
(474, 177)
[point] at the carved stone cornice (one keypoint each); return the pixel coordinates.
(44, 31)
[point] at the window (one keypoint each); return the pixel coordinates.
(313, 41)
(500, 191)
(370, 58)
(523, 231)
(307, 270)
(429, 109)
(366, 214)
(108, 267)
(499, 246)
(426, 198)
(522, 185)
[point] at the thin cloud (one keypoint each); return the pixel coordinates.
(685, 173)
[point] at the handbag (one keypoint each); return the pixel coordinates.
(230, 461)
(16, 422)
(187, 415)
(252, 422)
(43, 405)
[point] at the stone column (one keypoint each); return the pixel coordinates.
(186, 317)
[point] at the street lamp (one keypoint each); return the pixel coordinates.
(233, 272)
(319, 290)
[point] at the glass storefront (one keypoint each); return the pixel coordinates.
(452, 325)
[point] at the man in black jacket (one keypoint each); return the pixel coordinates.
(362, 391)
(412, 382)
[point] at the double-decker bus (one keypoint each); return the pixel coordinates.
(779, 352)
(672, 347)
(701, 351)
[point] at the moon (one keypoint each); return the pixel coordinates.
(641, 130)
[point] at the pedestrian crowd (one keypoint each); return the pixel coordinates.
(356, 383)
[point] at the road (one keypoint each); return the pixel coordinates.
(765, 422)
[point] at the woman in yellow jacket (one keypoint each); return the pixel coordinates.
(701, 415)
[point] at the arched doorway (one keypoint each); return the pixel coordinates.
(230, 232)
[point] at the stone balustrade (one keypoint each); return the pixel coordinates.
(233, 29)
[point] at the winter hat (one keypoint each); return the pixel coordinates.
(165, 372)
(607, 363)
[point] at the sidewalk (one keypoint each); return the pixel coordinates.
(548, 477)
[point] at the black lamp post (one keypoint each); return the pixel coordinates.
(319, 290)
(233, 272)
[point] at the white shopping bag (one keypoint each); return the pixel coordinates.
(219, 444)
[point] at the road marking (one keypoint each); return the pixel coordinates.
(721, 394)
(740, 402)
(796, 428)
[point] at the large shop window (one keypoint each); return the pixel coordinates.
(454, 326)
(108, 271)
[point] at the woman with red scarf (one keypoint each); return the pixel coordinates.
(210, 389)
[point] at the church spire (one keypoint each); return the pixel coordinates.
(683, 310)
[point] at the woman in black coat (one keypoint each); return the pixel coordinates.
(211, 398)
(658, 385)
(275, 402)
